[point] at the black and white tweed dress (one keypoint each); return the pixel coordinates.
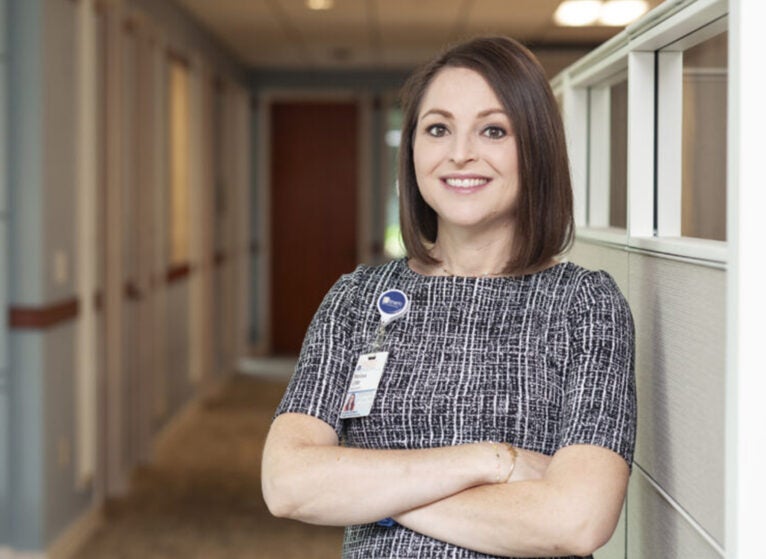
(541, 361)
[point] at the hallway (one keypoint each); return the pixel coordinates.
(201, 497)
(148, 244)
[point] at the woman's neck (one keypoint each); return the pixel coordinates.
(471, 255)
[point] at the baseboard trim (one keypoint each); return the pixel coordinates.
(8, 553)
(68, 543)
(75, 536)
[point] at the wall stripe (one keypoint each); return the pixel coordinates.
(178, 272)
(40, 318)
(132, 291)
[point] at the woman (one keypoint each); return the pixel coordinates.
(503, 423)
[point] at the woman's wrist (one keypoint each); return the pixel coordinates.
(514, 456)
(502, 462)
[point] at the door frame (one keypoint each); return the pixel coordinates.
(263, 152)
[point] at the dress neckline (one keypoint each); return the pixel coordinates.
(409, 272)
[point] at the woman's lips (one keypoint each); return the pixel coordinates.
(465, 184)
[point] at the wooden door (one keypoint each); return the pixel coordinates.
(314, 173)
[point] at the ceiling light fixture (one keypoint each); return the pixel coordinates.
(622, 12)
(577, 13)
(319, 4)
(613, 13)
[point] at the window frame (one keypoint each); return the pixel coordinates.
(590, 173)
(654, 180)
(670, 89)
(599, 143)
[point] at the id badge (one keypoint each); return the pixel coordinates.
(364, 385)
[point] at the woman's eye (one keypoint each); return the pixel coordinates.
(436, 130)
(494, 132)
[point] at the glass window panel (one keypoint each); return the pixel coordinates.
(608, 153)
(703, 198)
(393, 246)
(618, 155)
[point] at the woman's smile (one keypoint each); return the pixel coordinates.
(465, 184)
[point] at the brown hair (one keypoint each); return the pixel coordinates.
(544, 220)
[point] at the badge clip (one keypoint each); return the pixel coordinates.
(392, 304)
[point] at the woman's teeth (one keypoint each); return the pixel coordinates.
(466, 182)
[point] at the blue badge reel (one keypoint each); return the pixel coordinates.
(392, 304)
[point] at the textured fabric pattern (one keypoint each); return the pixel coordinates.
(541, 361)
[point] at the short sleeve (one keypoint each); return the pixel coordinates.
(326, 359)
(599, 400)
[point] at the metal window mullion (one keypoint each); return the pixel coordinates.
(641, 138)
(669, 143)
(576, 123)
(599, 160)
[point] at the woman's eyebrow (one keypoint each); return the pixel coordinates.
(489, 112)
(437, 112)
(481, 114)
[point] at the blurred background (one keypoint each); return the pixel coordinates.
(183, 180)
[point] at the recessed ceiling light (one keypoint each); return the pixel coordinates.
(622, 12)
(319, 4)
(577, 13)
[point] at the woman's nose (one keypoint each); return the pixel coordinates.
(463, 149)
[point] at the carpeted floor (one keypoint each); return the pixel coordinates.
(201, 497)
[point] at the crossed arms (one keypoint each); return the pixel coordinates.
(567, 504)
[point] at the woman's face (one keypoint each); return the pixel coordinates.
(464, 152)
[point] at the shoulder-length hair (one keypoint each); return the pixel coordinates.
(544, 217)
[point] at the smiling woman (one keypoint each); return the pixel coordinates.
(496, 415)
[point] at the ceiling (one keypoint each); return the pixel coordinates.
(377, 34)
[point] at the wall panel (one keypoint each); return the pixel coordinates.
(4, 368)
(60, 148)
(21, 508)
(600, 257)
(148, 152)
(656, 529)
(179, 387)
(27, 445)
(130, 164)
(65, 498)
(3, 284)
(3, 116)
(24, 155)
(615, 547)
(679, 310)
(4, 465)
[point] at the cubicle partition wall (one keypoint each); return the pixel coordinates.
(646, 117)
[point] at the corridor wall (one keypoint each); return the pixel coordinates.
(4, 411)
(113, 319)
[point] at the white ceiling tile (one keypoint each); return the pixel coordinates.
(389, 33)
